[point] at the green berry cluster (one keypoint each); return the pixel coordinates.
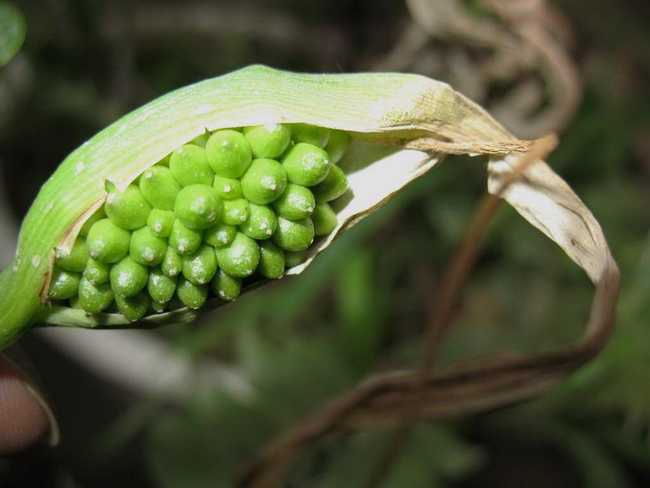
(231, 207)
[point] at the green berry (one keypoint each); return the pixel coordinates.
(240, 258)
(172, 263)
(159, 187)
(147, 248)
(235, 212)
(318, 136)
(161, 287)
(133, 307)
(184, 240)
(268, 141)
(296, 203)
(292, 259)
(271, 260)
(227, 188)
(74, 303)
(220, 235)
(193, 296)
(107, 242)
(94, 298)
(225, 286)
(229, 153)
(64, 284)
(75, 259)
(96, 217)
(128, 209)
(332, 187)
(337, 145)
(264, 181)
(158, 307)
(161, 222)
(306, 164)
(198, 207)
(189, 165)
(294, 236)
(128, 278)
(261, 223)
(96, 272)
(200, 267)
(324, 219)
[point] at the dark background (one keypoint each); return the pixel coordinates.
(362, 306)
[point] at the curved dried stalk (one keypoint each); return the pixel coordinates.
(389, 398)
(397, 397)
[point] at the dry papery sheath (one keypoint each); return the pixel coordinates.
(402, 125)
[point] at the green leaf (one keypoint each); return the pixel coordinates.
(12, 31)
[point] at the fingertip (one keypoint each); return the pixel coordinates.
(24, 417)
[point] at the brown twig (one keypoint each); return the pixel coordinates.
(480, 385)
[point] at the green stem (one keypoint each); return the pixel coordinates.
(16, 310)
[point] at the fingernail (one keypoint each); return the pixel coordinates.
(54, 434)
